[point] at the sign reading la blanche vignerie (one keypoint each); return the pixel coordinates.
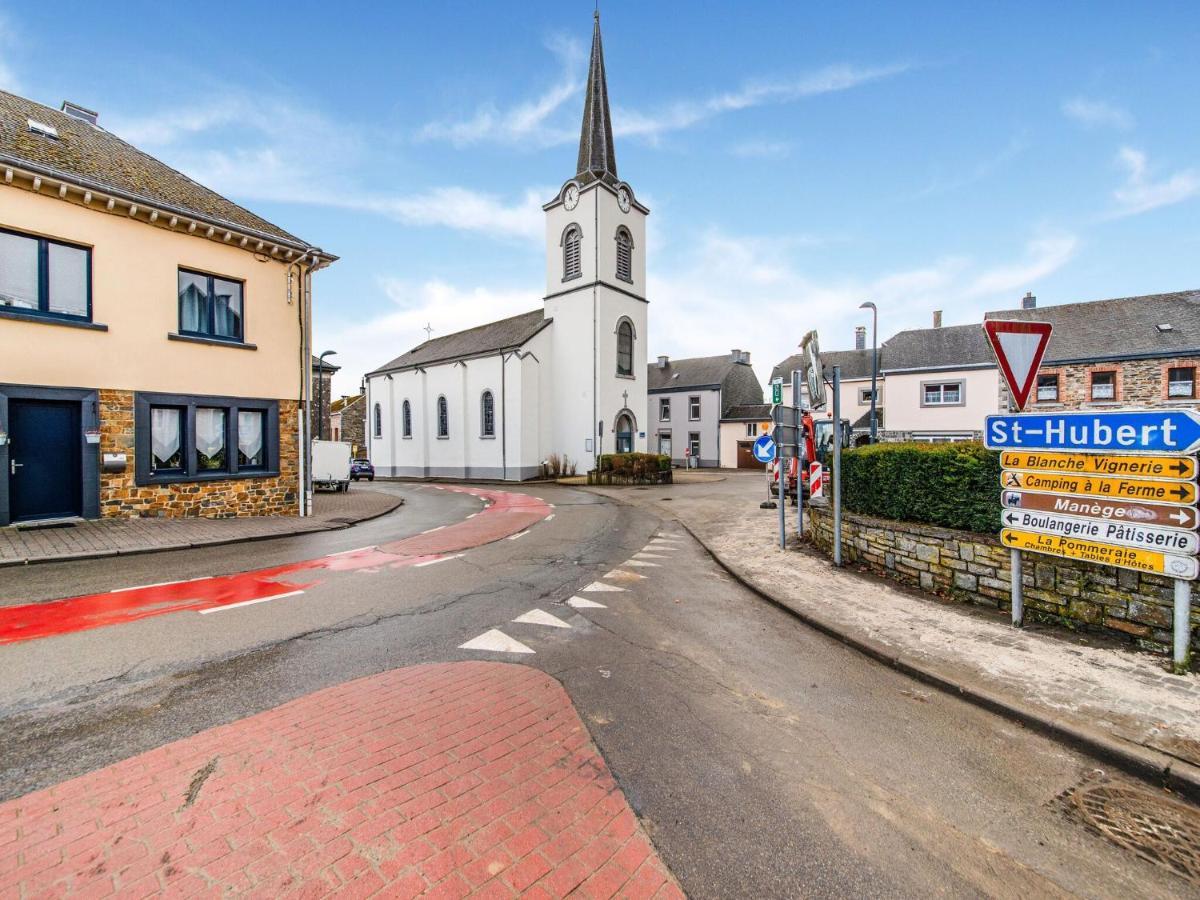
(1154, 490)
(1103, 508)
(1183, 567)
(1139, 431)
(1126, 534)
(1182, 467)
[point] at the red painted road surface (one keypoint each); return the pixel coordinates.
(446, 780)
(505, 514)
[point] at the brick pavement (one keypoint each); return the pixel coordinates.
(447, 780)
(110, 537)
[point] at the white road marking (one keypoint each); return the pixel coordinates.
(163, 584)
(355, 550)
(430, 562)
(621, 573)
(205, 612)
(585, 603)
(472, 515)
(432, 530)
(639, 564)
(519, 534)
(659, 540)
(541, 617)
(601, 586)
(495, 641)
(644, 555)
(552, 506)
(548, 518)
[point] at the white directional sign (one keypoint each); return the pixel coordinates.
(1125, 534)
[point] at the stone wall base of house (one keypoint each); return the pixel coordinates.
(121, 496)
(1133, 606)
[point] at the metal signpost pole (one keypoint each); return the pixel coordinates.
(837, 465)
(1183, 624)
(781, 462)
(801, 462)
(1017, 588)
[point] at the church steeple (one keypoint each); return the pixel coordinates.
(597, 160)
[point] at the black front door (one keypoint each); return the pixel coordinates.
(45, 459)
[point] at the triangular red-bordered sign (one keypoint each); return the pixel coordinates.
(1019, 348)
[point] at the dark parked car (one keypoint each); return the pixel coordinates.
(362, 468)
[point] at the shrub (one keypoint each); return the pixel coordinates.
(634, 464)
(951, 485)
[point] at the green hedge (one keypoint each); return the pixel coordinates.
(634, 465)
(952, 485)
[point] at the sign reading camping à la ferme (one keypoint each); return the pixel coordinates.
(1174, 431)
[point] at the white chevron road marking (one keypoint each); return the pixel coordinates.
(495, 641)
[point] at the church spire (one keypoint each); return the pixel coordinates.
(597, 160)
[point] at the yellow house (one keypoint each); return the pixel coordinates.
(154, 336)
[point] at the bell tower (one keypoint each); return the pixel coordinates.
(596, 293)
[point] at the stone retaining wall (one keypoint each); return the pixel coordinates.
(975, 568)
(120, 495)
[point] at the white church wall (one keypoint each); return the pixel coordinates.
(610, 218)
(557, 220)
(617, 392)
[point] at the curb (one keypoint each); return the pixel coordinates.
(193, 545)
(1159, 769)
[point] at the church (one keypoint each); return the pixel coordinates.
(568, 379)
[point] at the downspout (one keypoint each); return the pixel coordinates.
(306, 449)
(302, 400)
(504, 419)
(594, 430)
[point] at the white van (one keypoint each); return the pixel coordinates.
(331, 465)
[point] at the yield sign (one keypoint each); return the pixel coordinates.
(1019, 348)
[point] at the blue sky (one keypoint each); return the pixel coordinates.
(797, 158)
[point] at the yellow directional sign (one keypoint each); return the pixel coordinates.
(1181, 467)
(1156, 490)
(1184, 567)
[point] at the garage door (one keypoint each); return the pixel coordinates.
(745, 456)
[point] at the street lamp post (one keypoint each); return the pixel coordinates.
(874, 365)
(321, 393)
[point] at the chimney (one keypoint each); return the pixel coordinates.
(75, 111)
(736, 354)
(937, 318)
(662, 362)
(860, 337)
(1029, 301)
(746, 357)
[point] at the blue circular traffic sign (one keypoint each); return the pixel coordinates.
(764, 449)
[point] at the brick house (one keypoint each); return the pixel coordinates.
(151, 331)
(320, 408)
(1131, 351)
(348, 421)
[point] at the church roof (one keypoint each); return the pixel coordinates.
(597, 159)
(506, 334)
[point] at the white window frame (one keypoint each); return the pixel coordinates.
(1190, 382)
(1111, 387)
(694, 403)
(941, 385)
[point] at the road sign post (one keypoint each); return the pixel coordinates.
(837, 465)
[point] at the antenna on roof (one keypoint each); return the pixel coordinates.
(428, 329)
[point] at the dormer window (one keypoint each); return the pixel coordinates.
(624, 254)
(572, 253)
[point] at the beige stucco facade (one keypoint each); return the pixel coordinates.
(908, 415)
(134, 294)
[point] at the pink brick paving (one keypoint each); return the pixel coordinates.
(444, 780)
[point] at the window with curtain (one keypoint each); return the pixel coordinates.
(166, 439)
(377, 423)
(250, 431)
(624, 254)
(572, 253)
(625, 348)
(210, 306)
(1104, 385)
(39, 276)
(210, 439)
(443, 417)
(406, 419)
(1047, 388)
(1181, 382)
(487, 414)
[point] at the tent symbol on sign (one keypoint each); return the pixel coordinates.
(1011, 479)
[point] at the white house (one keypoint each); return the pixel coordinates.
(569, 379)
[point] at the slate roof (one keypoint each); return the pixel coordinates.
(506, 334)
(94, 157)
(328, 366)
(597, 158)
(751, 412)
(344, 403)
(854, 363)
(952, 346)
(1121, 328)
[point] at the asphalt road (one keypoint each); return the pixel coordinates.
(765, 759)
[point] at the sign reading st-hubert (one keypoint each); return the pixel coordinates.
(1182, 567)
(1139, 431)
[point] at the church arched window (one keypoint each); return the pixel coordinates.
(624, 254)
(443, 415)
(625, 347)
(572, 243)
(406, 419)
(487, 415)
(378, 421)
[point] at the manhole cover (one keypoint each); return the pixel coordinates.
(1154, 827)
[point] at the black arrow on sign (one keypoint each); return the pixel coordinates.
(1180, 467)
(1010, 518)
(1180, 492)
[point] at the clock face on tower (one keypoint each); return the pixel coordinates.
(571, 196)
(623, 199)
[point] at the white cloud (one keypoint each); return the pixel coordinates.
(526, 122)
(761, 149)
(1140, 194)
(463, 209)
(1097, 113)
(1044, 254)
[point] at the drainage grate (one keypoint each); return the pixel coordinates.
(1156, 828)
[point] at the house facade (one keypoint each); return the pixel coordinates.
(151, 330)
(741, 426)
(855, 378)
(321, 407)
(565, 380)
(688, 399)
(347, 422)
